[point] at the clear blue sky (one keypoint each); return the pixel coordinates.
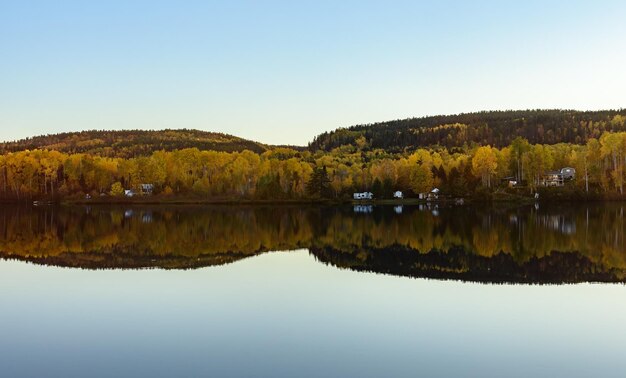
(282, 72)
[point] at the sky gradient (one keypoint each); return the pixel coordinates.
(283, 72)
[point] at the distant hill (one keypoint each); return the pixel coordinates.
(131, 143)
(496, 128)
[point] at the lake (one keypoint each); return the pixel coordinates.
(284, 291)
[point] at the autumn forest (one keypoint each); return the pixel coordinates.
(471, 155)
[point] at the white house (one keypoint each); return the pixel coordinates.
(129, 193)
(552, 178)
(557, 178)
(398, 194)
(363, 195)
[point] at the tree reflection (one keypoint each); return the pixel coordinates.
(494, 244)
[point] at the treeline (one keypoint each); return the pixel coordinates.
(495, 128)
(283, 173)
(132, 143)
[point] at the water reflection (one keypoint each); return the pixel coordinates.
(549, 244)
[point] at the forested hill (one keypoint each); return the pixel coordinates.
(132, 143)
(495, 128)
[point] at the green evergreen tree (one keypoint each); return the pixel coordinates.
(387, 188)
(377, 188)
(319, 184)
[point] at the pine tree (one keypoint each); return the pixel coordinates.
(377, 188)
(319, 184)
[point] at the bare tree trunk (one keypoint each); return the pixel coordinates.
(586, 177)
(615, 166)
(621, 180)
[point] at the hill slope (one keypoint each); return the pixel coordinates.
(131, 143)
(496, 128)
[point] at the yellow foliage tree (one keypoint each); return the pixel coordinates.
(484, 164)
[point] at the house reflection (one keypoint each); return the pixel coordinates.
(560, 223)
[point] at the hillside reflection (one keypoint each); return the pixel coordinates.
(550, 244)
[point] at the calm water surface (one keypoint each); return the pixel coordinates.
(290, 291)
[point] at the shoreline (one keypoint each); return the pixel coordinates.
(317, 202)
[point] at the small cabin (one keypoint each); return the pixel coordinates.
(363, 196)
(147, 189)
(398, 194)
